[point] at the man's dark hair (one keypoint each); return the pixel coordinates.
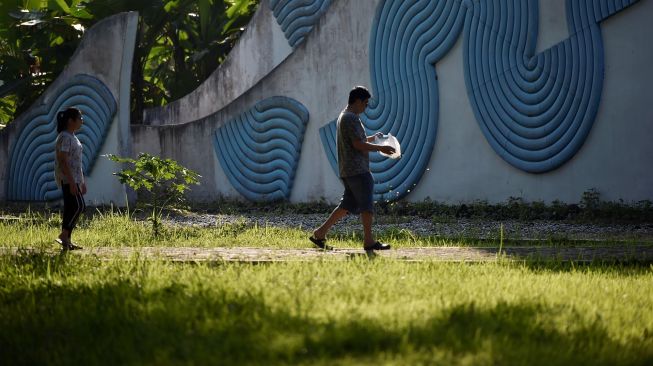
(359, 93)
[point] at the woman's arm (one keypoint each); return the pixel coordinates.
(62, 157)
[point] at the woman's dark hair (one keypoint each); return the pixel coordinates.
(65, 115)
(359, 93)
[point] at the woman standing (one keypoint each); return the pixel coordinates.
(68, 172)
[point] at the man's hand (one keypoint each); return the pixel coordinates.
(388, 150)
(83, 189)
(366, 146)
(375, 136)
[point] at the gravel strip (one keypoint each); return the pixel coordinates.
(455, 228)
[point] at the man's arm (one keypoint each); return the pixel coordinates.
(371, 138)
(361, 142)
(361, 145)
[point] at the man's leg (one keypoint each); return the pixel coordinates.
(366, 218)
(346, 203)
(364, 193)
(336, 215)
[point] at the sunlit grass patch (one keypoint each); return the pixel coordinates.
(116, 228)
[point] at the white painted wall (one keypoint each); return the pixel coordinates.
(103, 187)
(615, 158)
(106, 53)
(257, 52)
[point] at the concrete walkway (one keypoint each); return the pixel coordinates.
(626, 253)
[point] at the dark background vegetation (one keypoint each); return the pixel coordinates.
(180, 43)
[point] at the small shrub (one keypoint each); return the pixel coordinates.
(164, 180)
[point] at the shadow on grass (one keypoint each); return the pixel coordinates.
(120, 322)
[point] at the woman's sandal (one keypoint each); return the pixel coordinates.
(67, 245)
(320, 243)
(74, 246)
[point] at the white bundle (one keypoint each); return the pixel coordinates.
(389, 140)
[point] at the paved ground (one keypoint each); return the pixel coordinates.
(628, 253)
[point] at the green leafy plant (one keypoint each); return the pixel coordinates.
(36, 40)
(179, 44)
(164, 180)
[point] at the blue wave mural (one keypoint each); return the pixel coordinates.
(31, 166)
(535, 110)
(297, 17)
(259, 150)
(409, 37)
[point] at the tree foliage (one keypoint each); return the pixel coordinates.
(180, 43)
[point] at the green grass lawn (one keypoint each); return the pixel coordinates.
(60, 309)
(73, 310)
(115, 229)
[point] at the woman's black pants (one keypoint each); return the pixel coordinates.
(73, 206)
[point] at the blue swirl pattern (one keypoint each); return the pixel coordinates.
(31, 166)
(259, 150)
(409, 37)
(535, 111)
(297, 17)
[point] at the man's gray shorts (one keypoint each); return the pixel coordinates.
(359, 194)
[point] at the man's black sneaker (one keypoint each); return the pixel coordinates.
(378, 246)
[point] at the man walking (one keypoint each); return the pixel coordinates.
(354, 165)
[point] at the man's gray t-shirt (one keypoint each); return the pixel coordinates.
(351, 161)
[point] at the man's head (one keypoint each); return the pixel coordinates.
(358, 99)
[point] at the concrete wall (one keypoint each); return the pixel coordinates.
(106, 53)
(258, 51)
(615, 158)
